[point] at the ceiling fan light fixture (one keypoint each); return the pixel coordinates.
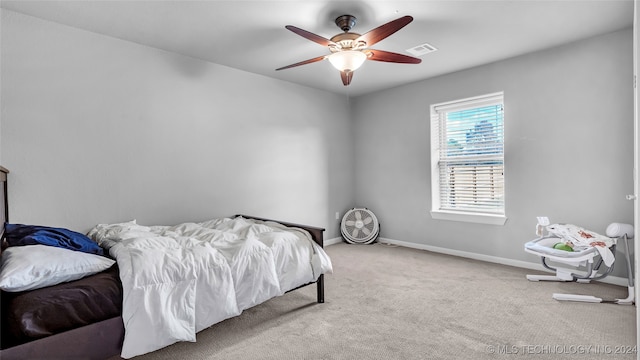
(347, 60)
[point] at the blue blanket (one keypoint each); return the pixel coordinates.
(18, 235)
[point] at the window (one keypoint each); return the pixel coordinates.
(467, 160)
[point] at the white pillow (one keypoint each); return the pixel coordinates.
(36, 266)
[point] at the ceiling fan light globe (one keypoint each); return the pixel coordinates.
(347, 60)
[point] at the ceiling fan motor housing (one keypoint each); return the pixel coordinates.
(360, 226)
(346, 22)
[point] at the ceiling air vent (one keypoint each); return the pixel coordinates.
(422, 49)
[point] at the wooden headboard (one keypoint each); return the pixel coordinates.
(4, 213)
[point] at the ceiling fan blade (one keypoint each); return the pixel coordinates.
(385, 30)
(311, 36)
(387, 56)
(315, 59)
(346, 80)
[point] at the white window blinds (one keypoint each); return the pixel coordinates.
(468, 155)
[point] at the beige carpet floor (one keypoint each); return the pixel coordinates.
(387, 302)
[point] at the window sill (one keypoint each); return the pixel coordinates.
(466, 217)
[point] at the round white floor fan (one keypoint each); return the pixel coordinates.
(359, 226)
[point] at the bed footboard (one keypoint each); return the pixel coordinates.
(317, 234)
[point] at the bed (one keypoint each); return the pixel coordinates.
(97, 330)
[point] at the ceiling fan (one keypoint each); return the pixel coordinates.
(350, 50)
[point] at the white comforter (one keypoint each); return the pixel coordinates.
(181, 279)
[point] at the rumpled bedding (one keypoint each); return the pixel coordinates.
(178, 280)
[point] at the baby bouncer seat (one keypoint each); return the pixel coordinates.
(584, 251)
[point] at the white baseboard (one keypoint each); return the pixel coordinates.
(615, 280)
(333, 241)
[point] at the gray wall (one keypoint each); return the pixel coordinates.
(568, 150)
(96, 130)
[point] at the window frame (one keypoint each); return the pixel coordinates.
(458, 215)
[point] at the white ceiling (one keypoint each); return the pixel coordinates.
(250, 35)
